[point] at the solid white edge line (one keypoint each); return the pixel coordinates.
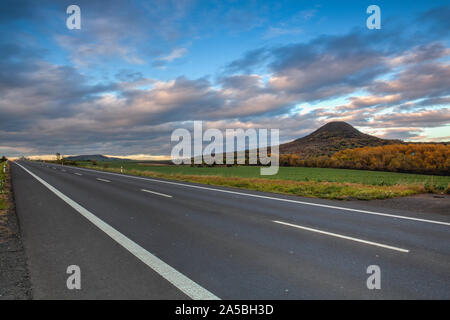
(274, 198)
(179, 280)
(159, 194)
(343, 237)
(104, 180)
(78, 174)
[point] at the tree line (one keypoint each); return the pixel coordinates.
(414, 158)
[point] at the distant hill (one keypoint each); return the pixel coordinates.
(96, 157)
(330, 138)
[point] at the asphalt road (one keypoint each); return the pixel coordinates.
(138, 238)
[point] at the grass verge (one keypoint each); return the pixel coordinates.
(316, 189)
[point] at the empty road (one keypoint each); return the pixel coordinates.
(141, 238)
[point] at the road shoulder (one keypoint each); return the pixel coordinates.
(14, 275)
(422, 203)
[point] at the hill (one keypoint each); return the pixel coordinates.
(330, 138)
(96, 157)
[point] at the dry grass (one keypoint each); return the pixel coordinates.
(5, 232)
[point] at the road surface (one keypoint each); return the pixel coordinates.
(141, 238)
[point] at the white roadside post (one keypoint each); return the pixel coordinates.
(2, 182)
(121, 169)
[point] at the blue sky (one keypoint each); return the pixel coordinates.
(139, 69)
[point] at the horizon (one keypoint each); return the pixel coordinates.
(136, 71)
(146, 157)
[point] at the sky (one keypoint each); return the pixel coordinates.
(138, 70)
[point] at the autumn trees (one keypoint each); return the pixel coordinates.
(417, 158)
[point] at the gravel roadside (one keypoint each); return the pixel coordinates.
(14, 279)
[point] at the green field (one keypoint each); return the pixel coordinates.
(325, 183)
(376, 178)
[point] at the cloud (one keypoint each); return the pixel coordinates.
(33, 88)
(420, 81)
(130, 32)
(420, 119)
(420, 54)
(175, 54)
(407, 133)
(321, 69)
(436, 20)
(85, 53)
(250, 60)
